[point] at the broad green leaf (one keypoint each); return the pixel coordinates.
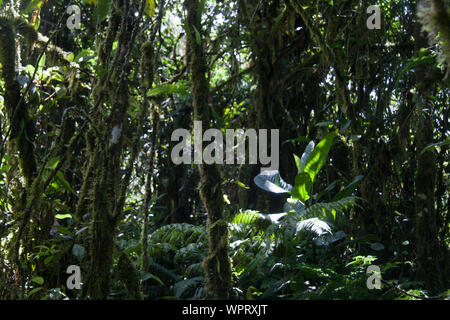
(240, 184)
(198, 38)
(325, 191)
(63, 182)
(5, 168)
(270, 180)
(36, 23)
(42, 61)
(348, 190)
(147, 275)
(325, 123)
(78, 251)
(434, 145)
(417, 61)
(88, 53)
(201, 9)
(302, 187)
(70, 56)
(52, 163)
(319, 155)
(81, 230)
(377, 246)
(34, 291)
(63, 216)
(305, 156)
(48, 259)
(34, 5)
(103, 9)
(297, 162)
(183, 285)
(38, 280)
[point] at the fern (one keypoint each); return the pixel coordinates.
(158, 267)
(313, 225)
(251, 224)
(190, 252)
(247, 217)
(180, 88)
(182, 286)
(194, 269)
(178, 234)
(329, 210)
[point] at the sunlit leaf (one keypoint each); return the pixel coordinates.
(240, 184)
(302, 187)
(63, 216)
(305, 156)
(63, 182)
(34, 5)
(52, 163)
(150, 8)
(435, 145)
(319, 155)
(270, 180)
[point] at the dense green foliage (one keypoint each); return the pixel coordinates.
(86, 176)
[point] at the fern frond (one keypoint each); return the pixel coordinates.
(182, 286)
(194, 269)
(329, 210)
(178, 234)
(247, 217)
(154, 266)
(316, 226)
(250, 223)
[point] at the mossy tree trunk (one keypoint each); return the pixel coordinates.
(426, 217)
(217, 264)
(106, 143)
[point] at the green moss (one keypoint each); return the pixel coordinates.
(146, 65)
(28, 32)
(7, 49)
(129, 276)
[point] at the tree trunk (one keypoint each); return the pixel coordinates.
(427, 245)
(106, 142)
(217, 264)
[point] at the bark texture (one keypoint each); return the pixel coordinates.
(217, 264)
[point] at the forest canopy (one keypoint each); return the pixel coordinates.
(208, 149)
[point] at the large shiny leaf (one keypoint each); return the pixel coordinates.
(319, 155)
(305, 156)
(302, 187)
(270, 180)
(314, 225)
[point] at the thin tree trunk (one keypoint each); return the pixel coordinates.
(217, 264)
(106, 139)
(427, 245)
